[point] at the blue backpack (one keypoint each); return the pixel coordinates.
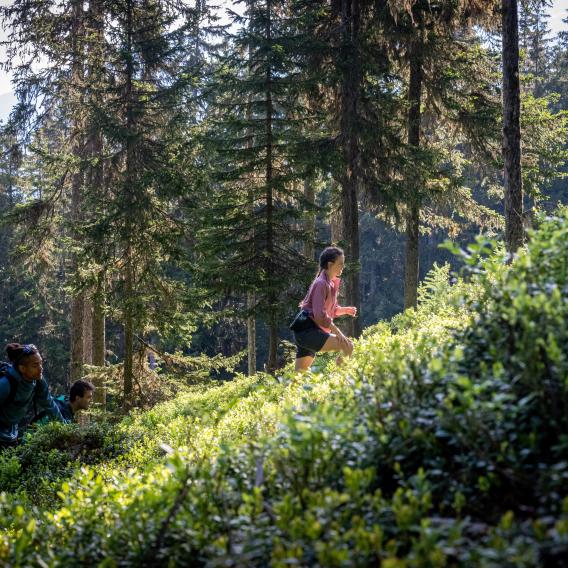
(13, 382)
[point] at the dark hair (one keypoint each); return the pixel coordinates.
(329, 254)
(78, 389)
(17, 353)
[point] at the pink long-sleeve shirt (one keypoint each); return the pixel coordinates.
(321, 301)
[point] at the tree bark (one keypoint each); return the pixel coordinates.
(95, 183)
(77, 301)
(412, 253)
(251, 334)
(514, 234)
(99, 330)
(310, 224)
(130, 181)
(335, 217)
(272, 362)
(99, 340)
(251, 296)
(87, 331)
(77, 309)
(128, 332)
(95, 347)
(350, 87)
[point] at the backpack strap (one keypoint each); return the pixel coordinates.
(13, 382)
(13, 388)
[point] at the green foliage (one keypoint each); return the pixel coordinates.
(52, 452)
(259, 146)
(441, 443)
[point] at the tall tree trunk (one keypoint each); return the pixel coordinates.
(77, 302)
(350, 87)
(412, 257)
(130, 181)
(310, 225)
(272, 362)
(511, 127)
(251, 296)
(95, 181)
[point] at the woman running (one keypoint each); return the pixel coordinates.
(315, 330)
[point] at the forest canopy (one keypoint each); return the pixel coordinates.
(174, 175)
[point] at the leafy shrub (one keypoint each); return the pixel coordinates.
(442, 442)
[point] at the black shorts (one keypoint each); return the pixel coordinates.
(310, 340)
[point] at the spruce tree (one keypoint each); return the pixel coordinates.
(258, 137)
(138, 229)
(345, 60)
(54, 93)
(433, 47)
(535, 43)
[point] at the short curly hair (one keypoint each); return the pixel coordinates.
(79, 388)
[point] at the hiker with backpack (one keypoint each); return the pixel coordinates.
(22, 385)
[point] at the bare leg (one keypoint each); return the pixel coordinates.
(334, 344)
(304, 363)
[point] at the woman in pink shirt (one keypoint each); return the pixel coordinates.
(317, 332)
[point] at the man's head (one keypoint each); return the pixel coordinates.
(26, 360)
(81, 394)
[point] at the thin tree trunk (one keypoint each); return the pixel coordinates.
(251, 334)
(99, 340)
(77, 309)
(128, 332)
(335, 217)
(77, 302)
(87, 331)
(514, 235)
(272, 362)
(350, 86)
(251, 296)
(412, 253)
(99, 329)
(310, 225)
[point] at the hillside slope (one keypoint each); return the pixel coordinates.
(443, 442)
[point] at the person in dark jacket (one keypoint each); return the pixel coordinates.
(80, 398)
(22, 384)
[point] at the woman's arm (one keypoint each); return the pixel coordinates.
(345, 311)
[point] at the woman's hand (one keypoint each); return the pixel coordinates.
(350, 311)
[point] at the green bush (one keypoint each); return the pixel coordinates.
(442, 442)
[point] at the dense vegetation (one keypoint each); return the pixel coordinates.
(441, 443)
(167, 180)
(172, 169)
